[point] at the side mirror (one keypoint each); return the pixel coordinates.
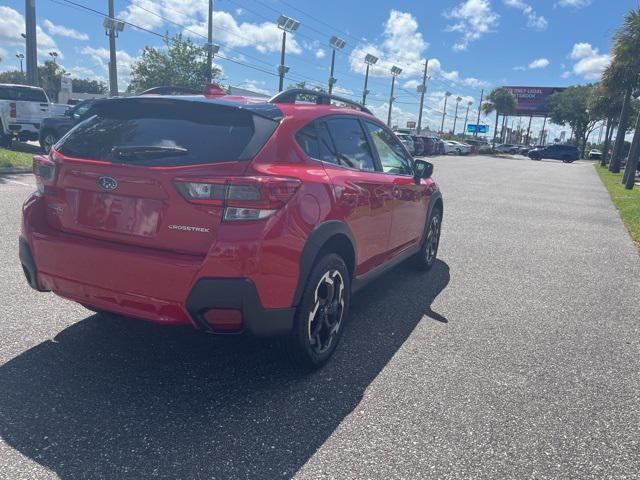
(424, 169)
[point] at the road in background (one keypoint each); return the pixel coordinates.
(517, 356)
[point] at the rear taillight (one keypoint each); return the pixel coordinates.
(45, 170)
(12, 110)
(243, 198)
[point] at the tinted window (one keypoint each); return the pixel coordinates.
(391, 153)
(307, 138)
(22, 94)
(167, 132)
(81, 109)
(350, 141)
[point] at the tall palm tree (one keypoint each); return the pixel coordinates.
(624, 74)
(503, 102)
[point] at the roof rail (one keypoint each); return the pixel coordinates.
(322, 98)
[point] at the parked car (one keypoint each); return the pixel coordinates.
(406, 140)
(228, 214)
(418, 145)
(524, 149)
(54, 128)
(566, 153)
(22, 109)
(429, 145)
(507, 148)
(439, 145)
(458, 148)
(595, 154)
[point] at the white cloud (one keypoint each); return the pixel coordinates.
(100, 57)
(264, 37)
(320, 53)
(565, 74)
(475, 83)
(402, 45)
(12, 25)
(257, 86)
(63, 31)
(573, 3)
(589, 61)
(539, 63)
(338, 90)
(411, 84)
(533, 19)
(473, 19)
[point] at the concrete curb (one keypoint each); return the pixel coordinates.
(10, 170)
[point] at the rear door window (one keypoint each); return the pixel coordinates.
(352, 147)
(167, 132)
(22, 94)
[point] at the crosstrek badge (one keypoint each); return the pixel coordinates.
(189, 228)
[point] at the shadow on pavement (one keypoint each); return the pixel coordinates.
(116, 398)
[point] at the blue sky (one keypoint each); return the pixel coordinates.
(471, 44)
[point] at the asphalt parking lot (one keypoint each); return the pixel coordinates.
(517, 356)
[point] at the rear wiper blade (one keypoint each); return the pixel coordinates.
(147, 151)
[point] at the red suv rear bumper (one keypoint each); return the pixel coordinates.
(162, 287)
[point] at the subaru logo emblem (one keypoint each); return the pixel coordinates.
(107, 183)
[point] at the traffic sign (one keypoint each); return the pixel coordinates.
(472, 128)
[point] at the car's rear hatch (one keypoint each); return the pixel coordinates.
(117, 172)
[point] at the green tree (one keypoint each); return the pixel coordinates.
(182, 63)
(501, 101)
(572, 107)
(624, 74)
(84, 85)
(50, 74)
(13, 76)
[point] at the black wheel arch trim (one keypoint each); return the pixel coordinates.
(318, 237)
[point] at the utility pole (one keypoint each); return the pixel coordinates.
(113, 69)
(395, 71)
(32, 42)
(455, 116)
(529, 131)
(210, 42)
(544, 124)
(466, 119)
(475, 134)
(423, 90)
(444, 111)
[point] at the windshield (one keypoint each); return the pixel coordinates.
(23, 94)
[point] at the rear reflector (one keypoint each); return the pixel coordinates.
(224, 320)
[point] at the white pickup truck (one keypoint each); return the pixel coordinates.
(22, 109)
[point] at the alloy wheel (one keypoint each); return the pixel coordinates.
(325, 317)
(433, 237)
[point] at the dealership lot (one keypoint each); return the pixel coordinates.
(517, 356)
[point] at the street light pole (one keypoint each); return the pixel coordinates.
(444, 111)
(113, 68)
(466, 119)
(423, 90)
(369, 60)
(395, 71)
(20, 57)
(455, 117)
(31, 43)
(475, 134)
(336, 44)
(286, 24)
(53, 55)
(210, 42)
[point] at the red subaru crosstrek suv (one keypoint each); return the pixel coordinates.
(231, 214)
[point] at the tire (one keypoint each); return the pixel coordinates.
(49, 138)
(426, 257)
(5, 140)
(319, 319)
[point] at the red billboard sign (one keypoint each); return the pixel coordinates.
(533, 100)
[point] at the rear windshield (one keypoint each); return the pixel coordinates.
(167, 132)
(22, 94)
